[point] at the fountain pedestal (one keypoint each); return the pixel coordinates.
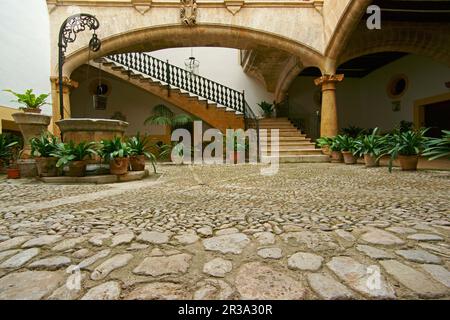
(84, 129)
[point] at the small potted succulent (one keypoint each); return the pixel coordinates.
(347, 147)
(42, 148)
(116, 153)
(31, 102)
(267, 108)
(335, 149)
(139, 151)
(370, 147)
(74, 156)
(406, 146)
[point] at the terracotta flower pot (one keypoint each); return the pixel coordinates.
(13, 173)
(408, 163)
(118, 166)
(46, 167)
(137, 163)
(326, 150)
(336, 157)
(349, 158)
(27, 168)
(31, 110)
(77, 169)
(370, 161)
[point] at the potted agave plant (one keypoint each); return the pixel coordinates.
(347, 146)
(74, 156)
(370, 147)
(42, 149)
(116, 152)
(139, 151)
(406, 146)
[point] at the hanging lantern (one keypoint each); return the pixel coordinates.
(192, 65)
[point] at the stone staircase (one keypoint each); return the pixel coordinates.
(214, 114)
(294, 146)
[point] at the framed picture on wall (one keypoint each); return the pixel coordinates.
(396, 106)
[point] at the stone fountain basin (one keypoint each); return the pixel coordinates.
(85, 129)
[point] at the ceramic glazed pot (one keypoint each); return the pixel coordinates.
(137, 163)
(408, 163)
(118, 166)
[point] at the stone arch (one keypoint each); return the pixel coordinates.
(208, 35)
(425, 40)
(345, 26)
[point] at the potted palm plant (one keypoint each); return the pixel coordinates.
(335, 149)
(267, 108)
(12, 169)
(116, 153)
(370, 147)
(406, 147)
(42, 148)
(31, 102)
(162, 115)
(347, 147)
(74, 156)
(438, 147)
(139, 151)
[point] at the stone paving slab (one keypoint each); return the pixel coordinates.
(315, 231)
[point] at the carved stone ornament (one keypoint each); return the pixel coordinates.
(142, 6)
(234, 5)
(188, 13)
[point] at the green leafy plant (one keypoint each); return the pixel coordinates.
(7, 145)
(324, 142)
(266, 107)
(29, 99)
(44, 145)
(162, 115)
(353, 131)
(408, 143)
(371, 144)
(345, 143)
(114, 148)
(335, 144)
(438, 147)
(405, 126)
(68, 152)
(140, 145)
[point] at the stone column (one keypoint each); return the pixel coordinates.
(329, 119)
(68, 85)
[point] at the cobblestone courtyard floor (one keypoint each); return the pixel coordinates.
(313, 231)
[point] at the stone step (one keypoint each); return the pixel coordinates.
(299, 152)
(286, 138)
(281, 130)
(306, 146)
(300, 158)
(293, 134)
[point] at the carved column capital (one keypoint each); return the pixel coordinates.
(329, 78)
(68, 83)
